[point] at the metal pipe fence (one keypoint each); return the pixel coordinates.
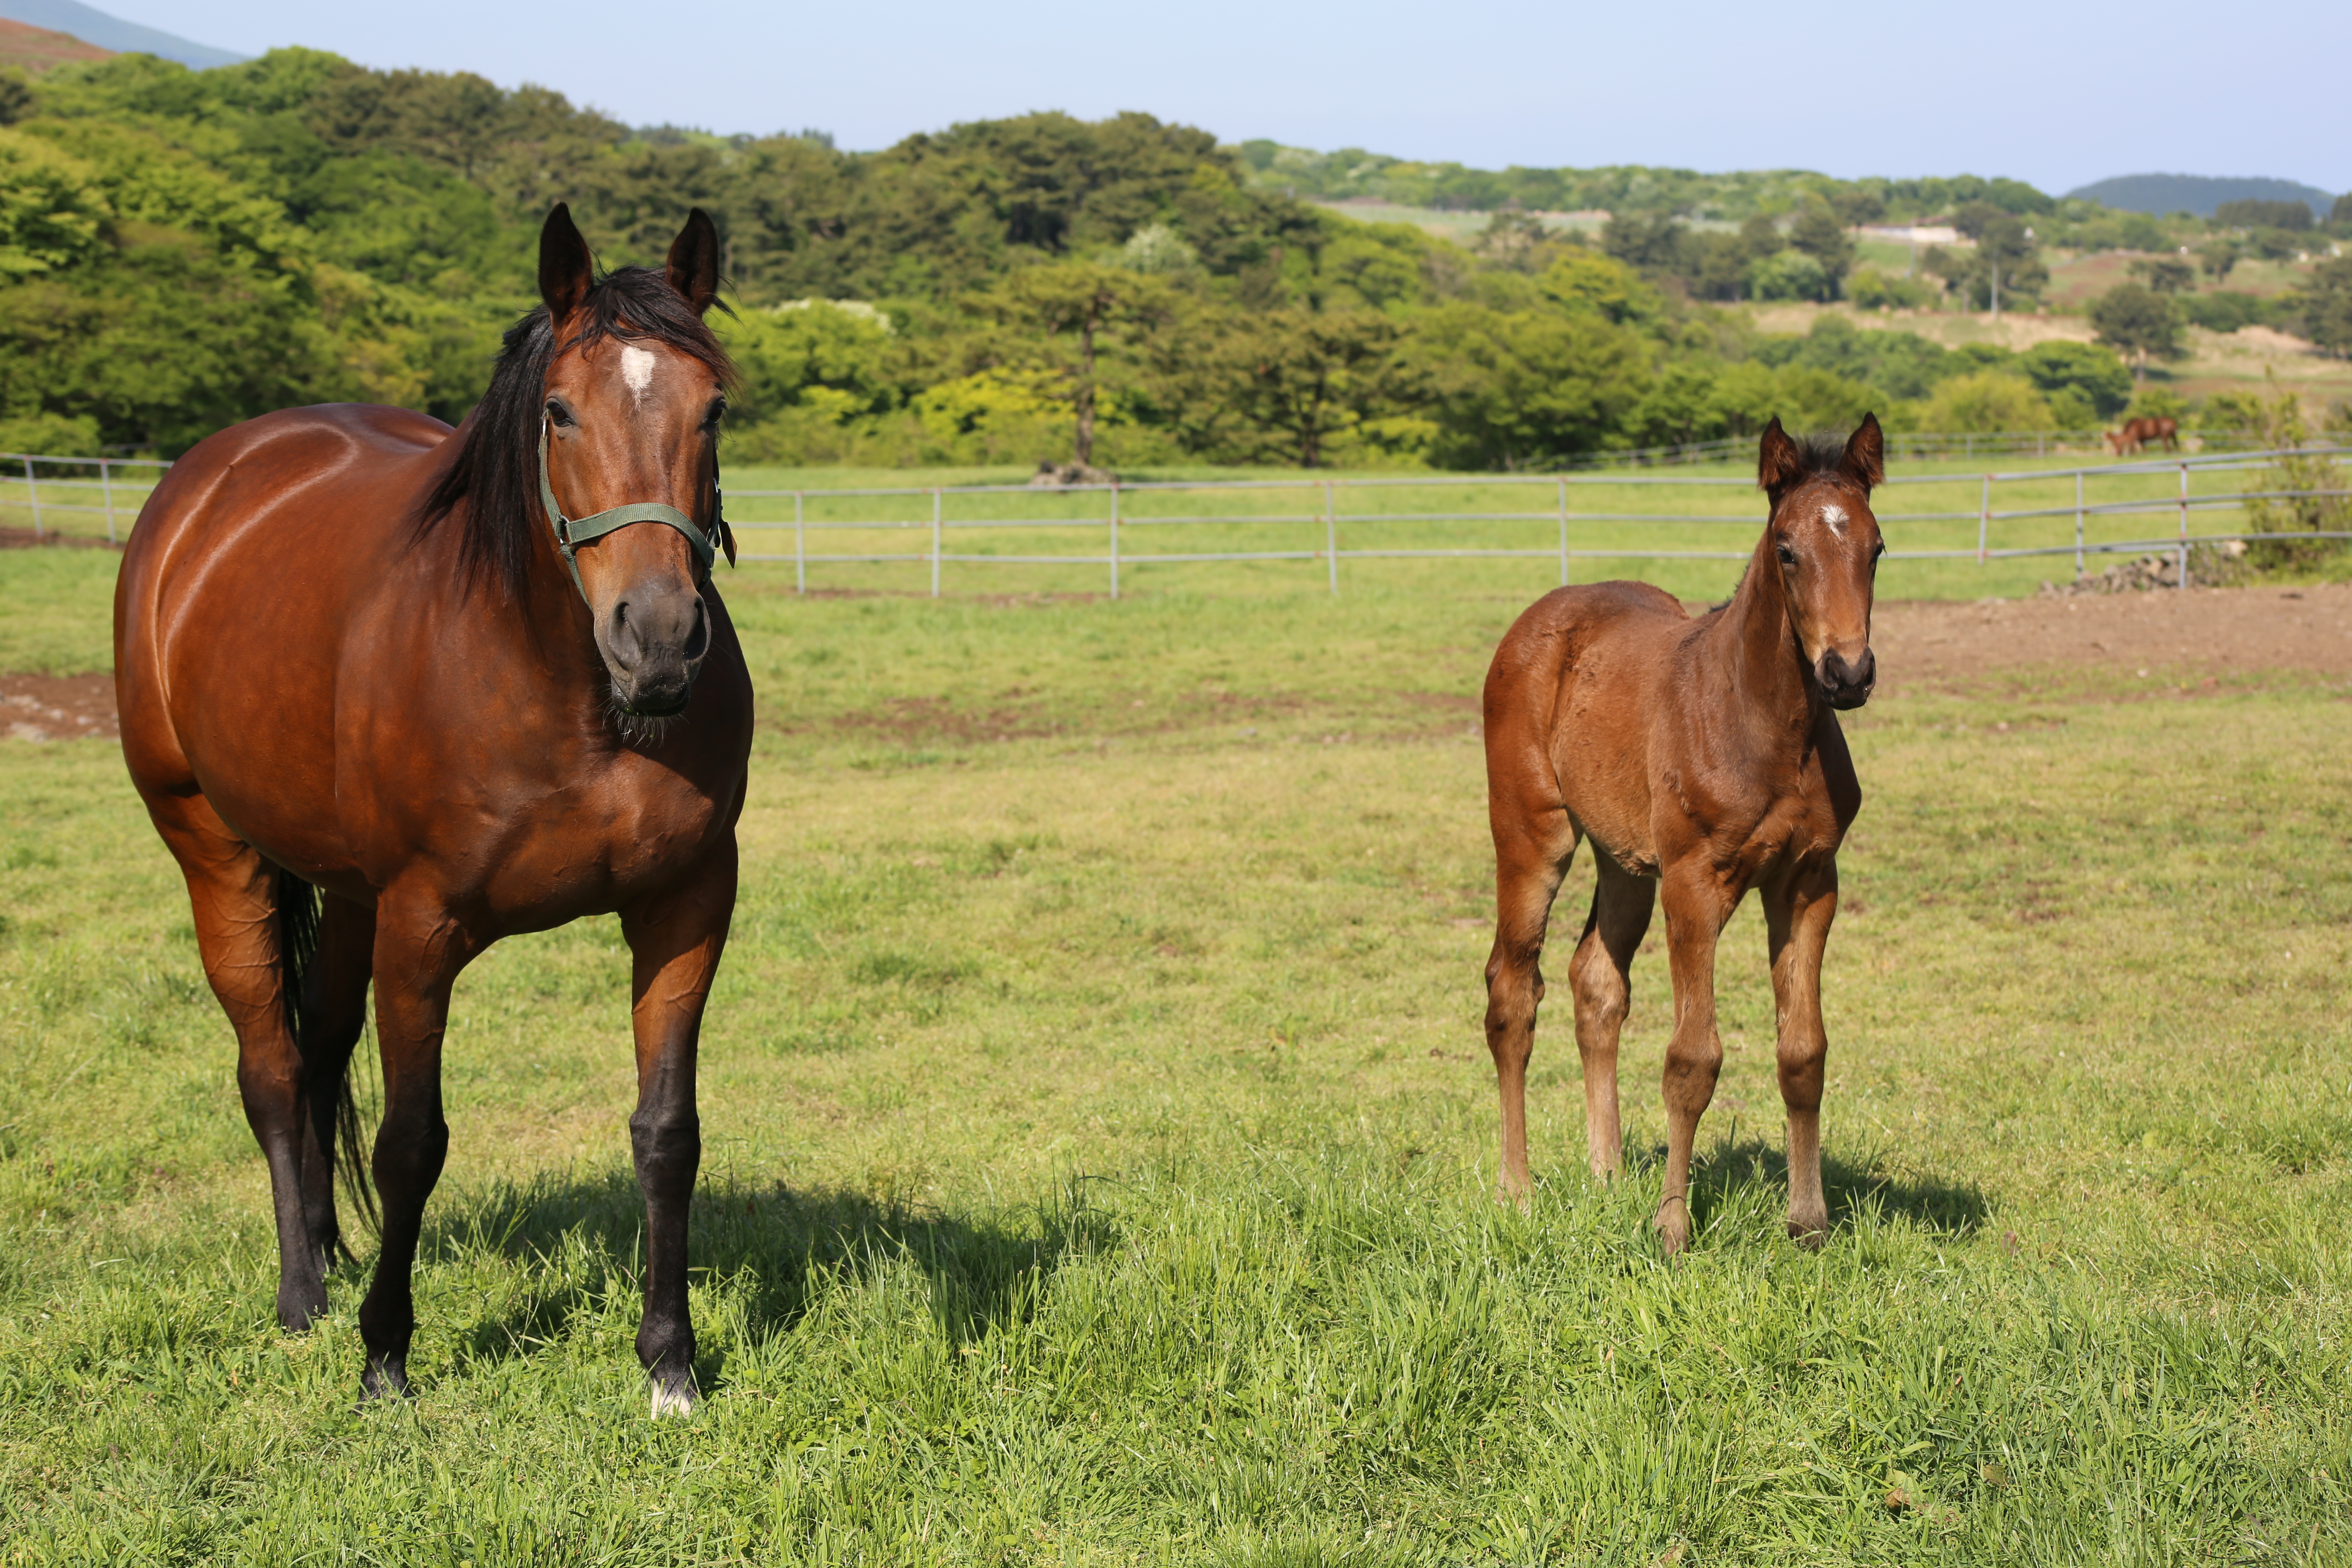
(103, 486)
(103, 483)
(1126, 508)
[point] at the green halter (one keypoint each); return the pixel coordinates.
(570, 535)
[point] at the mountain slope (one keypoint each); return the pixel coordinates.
(95, 27)
(2198, 193)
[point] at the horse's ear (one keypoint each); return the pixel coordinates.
(694, 260)
(1865, 454)
(1777, 462)
(566, 267)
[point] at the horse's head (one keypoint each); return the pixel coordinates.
(1824, 540)
(630, 417)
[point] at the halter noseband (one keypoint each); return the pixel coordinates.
(569, 534)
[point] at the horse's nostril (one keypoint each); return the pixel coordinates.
(698, 637)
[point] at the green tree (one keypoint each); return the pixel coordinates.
(1520, 390)
(2135, 319)
(2088, 369)
(1066, 318)
(2325, 304)
(1818, 233)
(2165, 274)
(2255, 214)
(2217, 257)
(1985, 400)
(1289, 384)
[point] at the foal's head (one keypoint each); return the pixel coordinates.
(629, 410)
(1824, 542)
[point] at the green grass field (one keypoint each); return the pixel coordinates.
(1100, 1143)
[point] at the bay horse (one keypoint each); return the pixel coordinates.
(2137, 432)
(1702, 756)
(362, 656)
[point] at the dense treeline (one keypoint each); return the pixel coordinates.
(181, 249)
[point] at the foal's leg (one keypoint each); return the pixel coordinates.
(1532, 850)
(1697, 906)
(1600, 974)
(1798, 911)
(675, 940)
(419, 949)
(334, 1011)
(232, 895)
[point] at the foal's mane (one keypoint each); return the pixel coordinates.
(496, 470)
(1818, 457)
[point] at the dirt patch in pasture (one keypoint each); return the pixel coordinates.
(2215, 630)
(58, 707)
(25, 539)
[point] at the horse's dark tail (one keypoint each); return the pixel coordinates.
(298, 946)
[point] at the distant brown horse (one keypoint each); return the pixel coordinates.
(1702, 758)
(2137, 432)
(360, 653)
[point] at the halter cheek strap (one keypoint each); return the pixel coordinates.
(569, 534)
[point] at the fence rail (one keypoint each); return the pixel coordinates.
(1116, 511)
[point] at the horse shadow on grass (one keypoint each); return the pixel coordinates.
(1742, 1175)
(778, 1250)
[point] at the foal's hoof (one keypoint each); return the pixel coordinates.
(1809, 1234)
(674, 1394)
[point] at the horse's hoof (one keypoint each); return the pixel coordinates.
(383, 1380)
(675, 1394)
(1809, 1234)
(298, 1308)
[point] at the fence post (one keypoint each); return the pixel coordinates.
(1563, 531)
(1331, 536)
(800, 545)
(33, 497)
(1984, 517)
(2184, 526)
(2078, 522)
(1114, 539)
(106, 487)
(935, 541)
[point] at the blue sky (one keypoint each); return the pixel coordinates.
(2059, 94)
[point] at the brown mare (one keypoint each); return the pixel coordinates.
(1702, 758)
(2137, 432)
(353, 657)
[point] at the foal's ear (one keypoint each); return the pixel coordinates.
(566, 268)
(1778, 464)
(694, 260)
(1865, 454)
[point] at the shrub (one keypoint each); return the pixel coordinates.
(2091, 372)
(1986, 401)
(1872, 289)
(1791, 275)
(2279, 423)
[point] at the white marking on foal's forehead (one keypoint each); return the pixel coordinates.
(1834, 515)
(636, 370)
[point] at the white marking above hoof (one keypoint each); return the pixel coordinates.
(673, 1401)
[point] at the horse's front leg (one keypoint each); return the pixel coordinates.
(1798, 911)
(419, 950)
(1697, 904)
(675, 940)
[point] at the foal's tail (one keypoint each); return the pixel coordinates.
(298, 945)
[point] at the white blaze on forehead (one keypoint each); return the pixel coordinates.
(636, 370)
(1833, 514)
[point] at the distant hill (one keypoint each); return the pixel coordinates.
(91, 25)
(36, 49)
(2198, 193)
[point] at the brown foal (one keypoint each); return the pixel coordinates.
(1702, 757)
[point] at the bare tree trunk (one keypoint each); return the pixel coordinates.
(1085, 400)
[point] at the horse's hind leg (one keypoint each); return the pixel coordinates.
(334, 1010)
(233, 897)
(1600, 975)
(1697, 903)
(1798, 911)
(1531, 855)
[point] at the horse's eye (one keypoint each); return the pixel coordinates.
(717, 412)
(1788, 556)
(557, 414)
(1879, 550)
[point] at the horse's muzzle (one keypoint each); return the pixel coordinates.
(654, 642)
(1846, 685)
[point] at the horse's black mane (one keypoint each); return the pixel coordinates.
(496, 470)
(1820, 454)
